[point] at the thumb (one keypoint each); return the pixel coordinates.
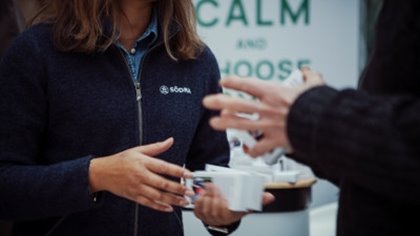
(268, 198)
(157, 148)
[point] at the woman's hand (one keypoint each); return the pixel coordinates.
(136, 175)
(213, 209)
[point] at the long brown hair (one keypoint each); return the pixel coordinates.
(80, 25)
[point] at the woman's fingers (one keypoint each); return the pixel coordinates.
(160, 196)
(155, 149)
(212, 208)
(268, 198)
(166, 168)
(134, 175)
(156, 181)
(153, 204)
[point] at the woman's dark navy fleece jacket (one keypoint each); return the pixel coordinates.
(59, 110)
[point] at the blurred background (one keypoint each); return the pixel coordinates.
(268, 39)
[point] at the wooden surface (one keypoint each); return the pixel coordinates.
(304, 183)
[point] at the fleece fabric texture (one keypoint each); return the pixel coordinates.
(59, 110)
(368, 141)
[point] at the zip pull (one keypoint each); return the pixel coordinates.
(138, 91)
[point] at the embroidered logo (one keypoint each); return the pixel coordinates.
(165, 90)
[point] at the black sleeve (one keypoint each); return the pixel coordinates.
(371, 141)
(29, 188)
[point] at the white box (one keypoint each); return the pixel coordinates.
(242, 190)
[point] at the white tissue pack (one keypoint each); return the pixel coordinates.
(243, 190)
(249, 139)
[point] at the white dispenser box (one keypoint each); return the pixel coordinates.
(242, 190)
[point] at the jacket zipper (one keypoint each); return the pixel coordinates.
(137, 89)
(139, 96)
(140, 119)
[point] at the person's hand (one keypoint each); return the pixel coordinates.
(136, 175)
(213, 209)
(272, 106)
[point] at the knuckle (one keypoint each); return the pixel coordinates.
(144, 178)
(158, 196)
(163, 197)
(163, 168)
(140, 188)
(164, 185)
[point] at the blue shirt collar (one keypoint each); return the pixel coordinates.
(152, 29)
(151, 32)
(136, 54)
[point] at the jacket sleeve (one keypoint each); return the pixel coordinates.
(30, 188)
(370, 141)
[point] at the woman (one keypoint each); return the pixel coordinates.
(82, 92)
